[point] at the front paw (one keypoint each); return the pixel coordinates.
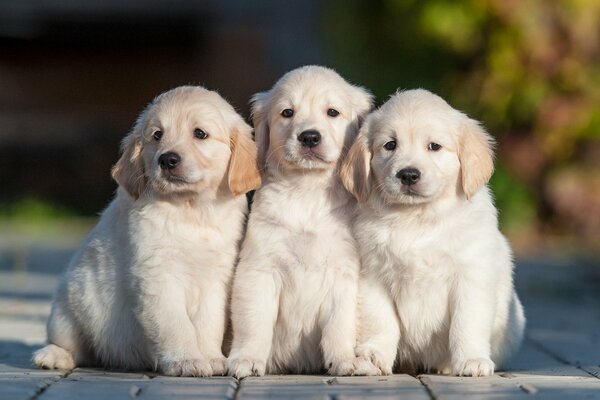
(365, 367)
(343, 367)
(243, 367)
(373, 357)
(474, 367)
(186, 367)
(218, 365)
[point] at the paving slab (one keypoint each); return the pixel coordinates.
(24, 387)
(319, 387)
(498, 387)
(98, 385)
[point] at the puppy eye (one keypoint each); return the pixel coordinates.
(434, 146)
(391, 145)
(332, 112)
(200, 134)
(157, 135)
(287, 113)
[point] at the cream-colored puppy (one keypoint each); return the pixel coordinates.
(294, 294)
(436, 290)
(149, 286)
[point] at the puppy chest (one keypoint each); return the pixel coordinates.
(423, 309)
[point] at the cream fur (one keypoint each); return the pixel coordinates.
(149, 286)
(294, 294)
(436, 290)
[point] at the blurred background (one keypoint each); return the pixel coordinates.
(74, 75)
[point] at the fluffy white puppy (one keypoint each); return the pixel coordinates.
(436, 290)
(150, 284)
(294, 294)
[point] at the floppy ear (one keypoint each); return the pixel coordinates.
(355, 171)
(362, 103)
(476, 157)
(258, 105)
(129, 170)
(243, 175)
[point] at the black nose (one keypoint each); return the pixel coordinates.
(169, 160)
(409, 176)
(309, 138)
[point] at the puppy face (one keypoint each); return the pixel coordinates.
(305, 121)
(188, 140)
(416, 149)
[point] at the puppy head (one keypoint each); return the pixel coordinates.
(416, 149)
(188, 140)
(307, 119)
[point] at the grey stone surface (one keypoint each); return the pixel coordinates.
(320, 387)
(111, 385)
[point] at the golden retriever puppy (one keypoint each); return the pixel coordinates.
(149, 286)
(294, 293)
(436, 290)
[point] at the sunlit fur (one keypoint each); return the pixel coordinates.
(436, 290)
(148, 288)
(294, 294)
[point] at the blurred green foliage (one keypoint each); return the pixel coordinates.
(33, 221)
(33, 210)
(528, 69)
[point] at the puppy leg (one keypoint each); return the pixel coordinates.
(209, 322)
(65, 349)
(165, 320)
(473, 309)
(338, 324)
(254, 307)
(378, 329)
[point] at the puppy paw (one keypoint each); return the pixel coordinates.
(218, 365)
(53, 357)
(243, 367)
(186, 367)
(375, 358)
(365, 367)
(342, 367)
(474, 367)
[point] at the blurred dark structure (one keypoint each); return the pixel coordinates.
(74, 75)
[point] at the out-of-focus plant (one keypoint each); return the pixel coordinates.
(530, 70)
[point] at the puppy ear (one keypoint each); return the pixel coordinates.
(129, 170)
(362, 103)
(476, 155)
(258, 105)
(243, 175)
(355, 171)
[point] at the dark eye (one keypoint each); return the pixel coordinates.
(332, 112)
(391, 145)
(157, 135)
(287, 113)
(434, 146)
(200, 134)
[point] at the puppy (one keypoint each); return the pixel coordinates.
(149, 286)
(436, 290)
(294, 294)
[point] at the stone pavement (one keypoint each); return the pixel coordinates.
(560, 358)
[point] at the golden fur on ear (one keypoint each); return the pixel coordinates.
(362, 102)
(355, 171)
(129, 170)
(476, 155)
(243, 175)
(261, 127)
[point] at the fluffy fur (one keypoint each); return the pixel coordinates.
(436, 290)
(149, 286)
(294, 294)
